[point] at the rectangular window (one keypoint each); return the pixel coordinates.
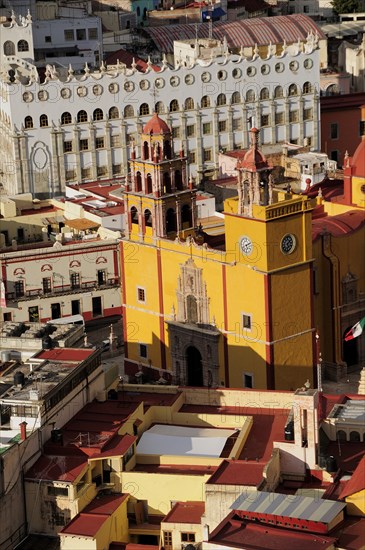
(57, 491)
(247, 380)
(143, 351)
(222, 126)
(101, 170)
(80, 34)
(192, 157)
(279, 118)
(305, 9)
(75, 280)
(86, 173)
(167, 540)
(70, 175)
(265, 120)
(308, 114)
(117, 169)
(362, 127)
(334, 130)
(7, 316)
(47, 285)
(237, 124)
(207, 128)
(187, 537)
(176, 132)
(141, 294)
(293, 116)
(93, 34)
(115, 141)
(246, 321)
(207, 155)
(48, 39)
(99, 143)
(84, 144)
(190, 130)
(19, 288)
(69, 35)
(97, 306)
(67, 146)
(33, 313)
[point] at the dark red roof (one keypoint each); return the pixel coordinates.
(337, 226)
(156, 126)
(238, 472)
(65, 354)
(254, 160)
(186, 512)
(132, 546)
(350, 534)
(91, 519)
(57, 468)
(127, 58)
(358, 160)
(238, 533)
(357, 481)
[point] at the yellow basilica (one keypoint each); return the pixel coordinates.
(238, 310)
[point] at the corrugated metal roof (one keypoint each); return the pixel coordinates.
(291, 506)
(247, 32)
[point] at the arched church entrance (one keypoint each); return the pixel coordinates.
(194, 367)
(350, 350)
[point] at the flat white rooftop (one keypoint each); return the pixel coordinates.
(164, 439)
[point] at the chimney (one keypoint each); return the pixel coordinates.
(23, 431)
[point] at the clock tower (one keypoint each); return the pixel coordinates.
(271, 233)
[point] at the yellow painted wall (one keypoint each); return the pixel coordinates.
(358, 196)
(356, 504)
(178, 528)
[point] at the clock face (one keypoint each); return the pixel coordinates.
(288, 243)
(246, 246)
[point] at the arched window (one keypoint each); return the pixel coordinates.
(170, 221)
(23, 46)
(166, 182)
(355, 436)
(307, 88)
(138, 182)
(9, 48)
(250, 96)
(128, 111)
(82, 116)
(66, 118)
(189, 104)
(221, 99)
(146, 151)
(28, 122)
(138, 11)
(205, 102)
(278, 92)
(167, 150)
(332, 89)
(174, 105)
(160, 108)
(134, 214)
(178, 180)
(186, 219)
(148, 184)
(148, 218)
(98, 114)
(264, 94)
(113, 112)
(236, 98)
(144, 13)
(144, 109)
(43, 121)
(293, 90)
(341, 435)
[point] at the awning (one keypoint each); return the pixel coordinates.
(215, 14)
(81, 224)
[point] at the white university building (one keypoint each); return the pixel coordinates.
(73, 126)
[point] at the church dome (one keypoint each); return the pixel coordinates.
(358, 161)
(156, 126)
(253, 160)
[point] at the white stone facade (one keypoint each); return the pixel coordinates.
(80, 127)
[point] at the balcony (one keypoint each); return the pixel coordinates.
(39, 293)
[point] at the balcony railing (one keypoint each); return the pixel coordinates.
(62, 290)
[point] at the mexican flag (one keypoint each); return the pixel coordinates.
(356, 330)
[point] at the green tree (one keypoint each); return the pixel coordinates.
(346, 6)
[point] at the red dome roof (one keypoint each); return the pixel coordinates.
(253, 160)
(156, 126)
(358, 160)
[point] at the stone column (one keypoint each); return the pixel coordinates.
(287, 117)
(108, 149)
(123, 143)
(230, 127)
(216, 141)
(77, 153)
(301, 125)
(316, 122)
(199, 146)
(272, 121)
(93, 152)
(244, 141)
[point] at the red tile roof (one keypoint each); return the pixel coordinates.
(357, 481)
(93, 517)
(186, 512)
(127, 58)
(239, 533)
(358, 160)
(65, 354)
(350, 534)
(342, 224)
(238, 472)
(57, 468)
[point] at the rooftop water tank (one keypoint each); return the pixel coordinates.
(19, 379)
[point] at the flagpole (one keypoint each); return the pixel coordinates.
(319, 362)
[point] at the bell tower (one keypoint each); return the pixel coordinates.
(158, 198)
